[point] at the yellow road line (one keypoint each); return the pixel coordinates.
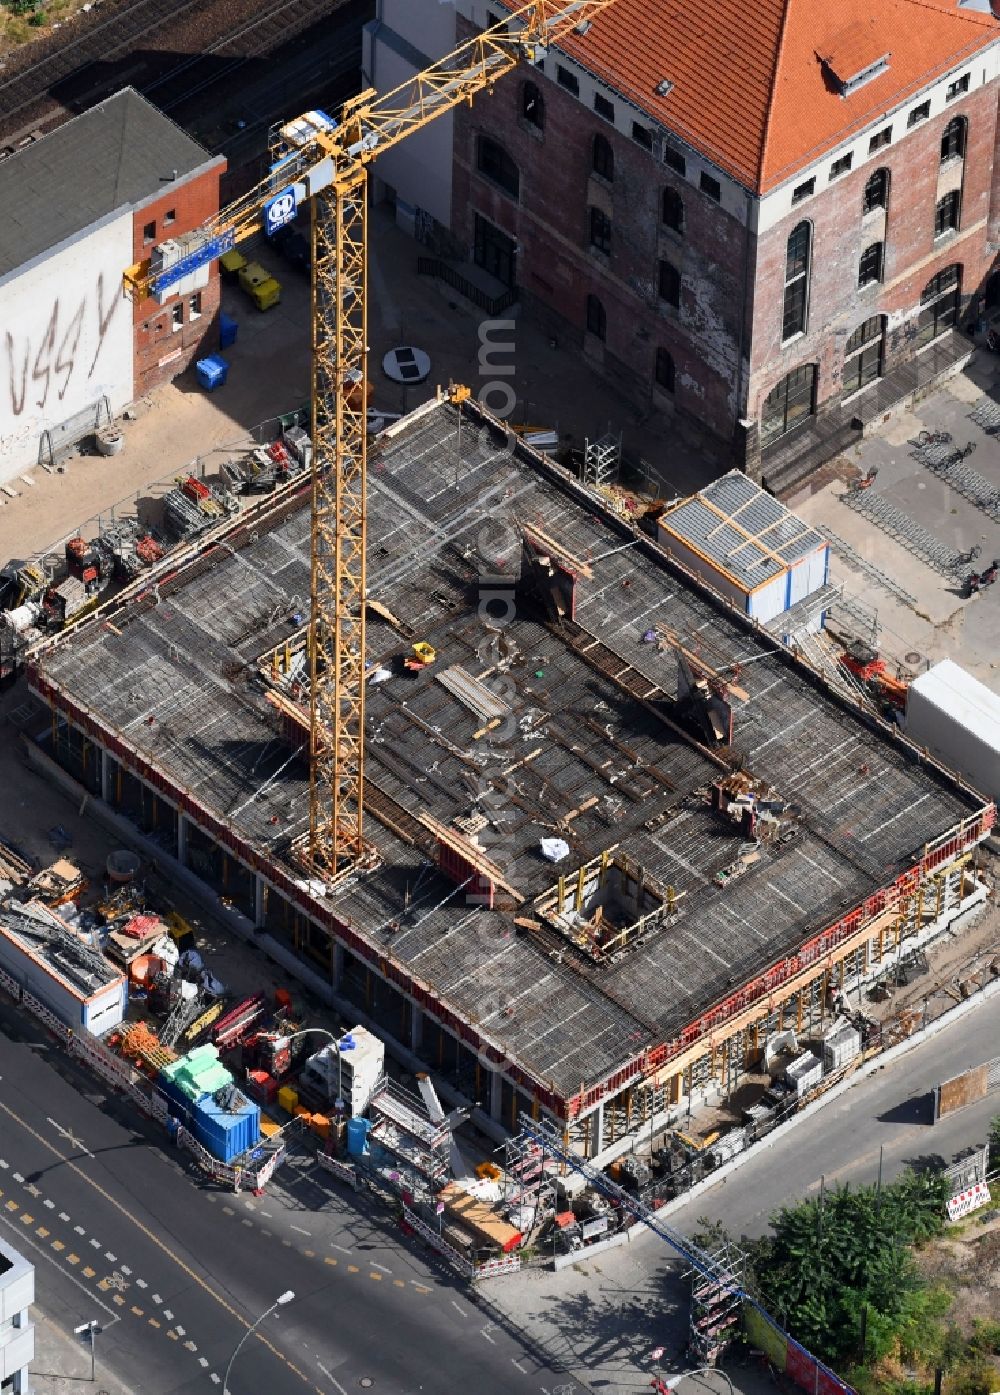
(328, 1260)
(12, 1206)
(26, 1219)
(88, 1273)
(400, 1283)
(353, 1269)
(172, 1335)
(73, 1259)
(40, 1230)
(58, 1245)
(117, 1298)
(375, 1276)
(138, 1311)
(153, 1238)
(153, 1322)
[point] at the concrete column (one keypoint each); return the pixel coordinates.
(337, 966)
(416, 1028)
(597, 1131)
(496, 1096)
(105, 776)
(182, 838)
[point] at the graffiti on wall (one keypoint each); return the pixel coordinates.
(41, 366)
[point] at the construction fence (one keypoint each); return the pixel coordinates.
(784, 1352)
(972, 1085)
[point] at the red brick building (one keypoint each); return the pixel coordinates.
(766, 216)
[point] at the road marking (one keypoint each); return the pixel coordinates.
(88, 1273)
(63, 1133)
(202, 1361)
(157, 1298)
(329, 1260)
(153, 1323)
(108, 1255)
(40, 1230)
(331, 1378)
(26, 1219)
(73, 1259)
(228, 1211)
(17, 1177)
(191, 1346)
(247, 1221)
(168, 1315)
(300, 1230)
(31, 1189)
(171, 1334)
(373, 1275)
(154, 1239)
(58, 1245)
(421, 1288)
(267, 1214)
(485, 1334)
(50, 1204)
(375, 1265)
(12, 1206)
(117, 1298)
(96, 1244)
(64, 1215)
(124, 1268)
(522, 1369)
(458, 1308)
(27, 1240)
(343, 1249)
(400, 1283)
(139, 1283)
(180, 1330)
(78, 1229)
(353, 1269)
(138, 1311)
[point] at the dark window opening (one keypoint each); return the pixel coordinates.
(600, 231)
(169, 217)
(939, 304)
(149, 232)
(497, 165)
(803, 190)
(603, 158)
(673, 157)
(956, 88)
(918, 114)
(880, 139)
(672, 210)
(788, 404)
(670, 284)
(597, 320)
(603, 107)
(642, 135)
(953, 139)
(664, 370)
(946, 214)
(864, 355)
(876, 193)
(532, 105)
(842, 165)
(870, 265)
(710, 186)
(797, 258)
(568, 80)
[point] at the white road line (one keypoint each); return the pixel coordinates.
(27, 1240)
(108, 1255)
(141, 1283)
(485, 1334)
(168, 1315)
(31, 1189)
(180, 1330)
(300, 1230)
(267, 1214)
(202, 1361)
(78, 1229)
(4, 1165)
(50, 1204)
(96, 1243)
(458, 1308)
(522, 1369)
(17, 1177)
(156, 1297)
(64, 1215)
(375, 1265)
(217, 1380)
(343, 1249)
(331, 1378)
(125, 1269)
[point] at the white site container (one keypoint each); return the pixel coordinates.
(956, 719)
(804, 1072)
(96, 1011)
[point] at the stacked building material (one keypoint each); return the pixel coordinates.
(141, 1044)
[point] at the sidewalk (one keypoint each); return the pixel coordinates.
(62, 1362)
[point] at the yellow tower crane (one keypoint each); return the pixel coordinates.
(317, 157)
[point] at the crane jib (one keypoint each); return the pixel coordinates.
(216, 246)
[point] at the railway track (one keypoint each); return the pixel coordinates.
(216, 40)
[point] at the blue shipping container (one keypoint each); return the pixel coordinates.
(227, 331)
(212, 371)
(226, 1135)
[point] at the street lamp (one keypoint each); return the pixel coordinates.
(344, 1043)
(91, 1328)
(664, 1384)
(279, 1302)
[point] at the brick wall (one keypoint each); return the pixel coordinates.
(556, 268)
(912, 255)
(161, 350)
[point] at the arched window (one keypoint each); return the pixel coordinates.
(876, 193)
(597, 320)
(953, 139)
(864, 355)
(946, 214)
(532, 105)
(603, 158)
(497, 165)
(870, 265)
(797, 259)
(670, 284)
(939, 304)
(664, 369)
(600, 231)
(672, 210)
(788, 403)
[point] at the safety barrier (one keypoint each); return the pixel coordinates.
(11, 985)
(42, 1013)
(491, 1268)
(344, 1171)
(439, 1243)
(109, 1066)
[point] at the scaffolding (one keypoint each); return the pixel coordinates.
(716, 1303)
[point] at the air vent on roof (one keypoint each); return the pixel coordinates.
(848, 82)
(664, 87)
(855, 56)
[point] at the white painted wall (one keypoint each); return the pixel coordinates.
(65, 337)
(407, 36)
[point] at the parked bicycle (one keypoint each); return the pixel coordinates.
(966, 559)
(864, 481)
(962, 453)
(934, 438)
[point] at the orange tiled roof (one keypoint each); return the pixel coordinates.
(750, 89)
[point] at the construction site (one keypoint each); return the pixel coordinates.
(617, 837)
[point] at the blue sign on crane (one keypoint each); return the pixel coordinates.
(279, 210)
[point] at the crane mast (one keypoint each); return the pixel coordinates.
(325, 160)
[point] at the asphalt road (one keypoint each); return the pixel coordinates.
(175, 1271)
